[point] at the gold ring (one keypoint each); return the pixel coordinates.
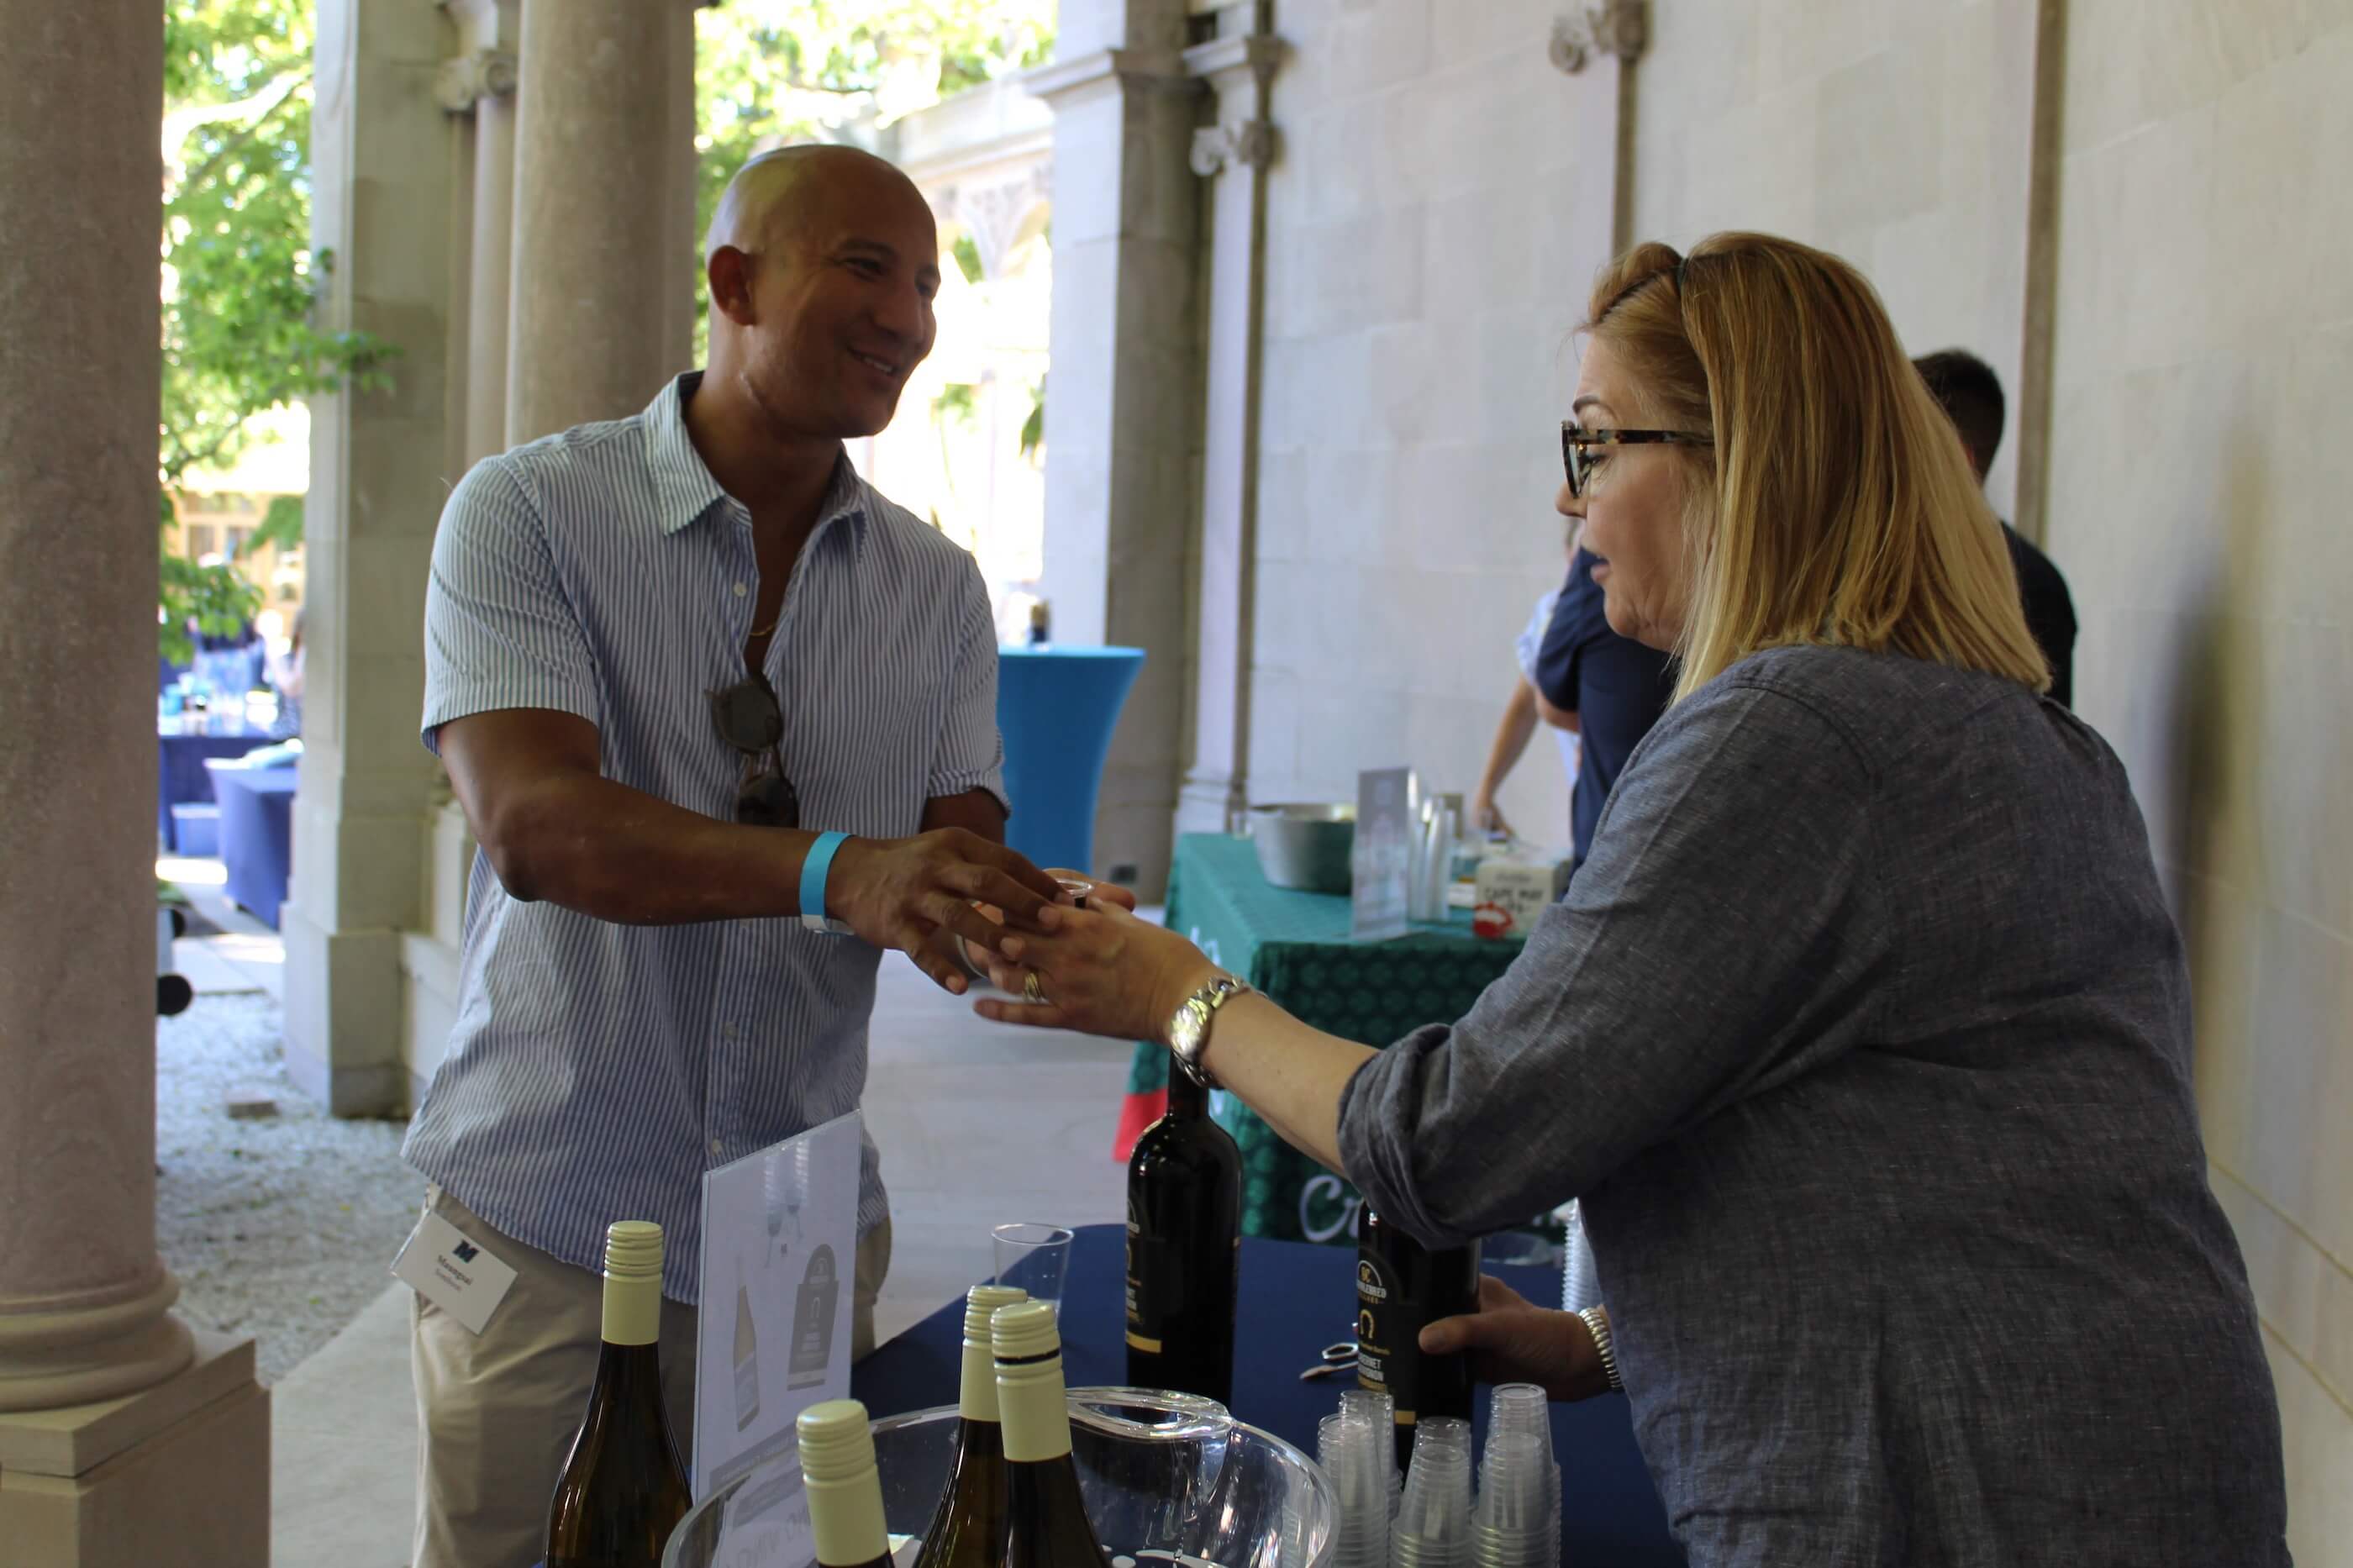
(1030, 990)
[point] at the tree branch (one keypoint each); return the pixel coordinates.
(285, 90)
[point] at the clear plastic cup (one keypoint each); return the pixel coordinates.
(1434, 1521)
(1033, 1258)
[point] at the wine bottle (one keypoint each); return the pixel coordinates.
(1046, 1519)
(747, 1356)
(623, 1489)
(967, 1530)
(845, 1490)
(1402, 1285)
(1184, 1242)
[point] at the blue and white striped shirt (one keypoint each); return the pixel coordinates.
(597, 1071)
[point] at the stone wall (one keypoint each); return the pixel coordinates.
(1421, 281)
(2203, 366)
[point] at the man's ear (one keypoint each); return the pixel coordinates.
(729, 273)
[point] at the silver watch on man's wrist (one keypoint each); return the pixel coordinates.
(1188, 1028)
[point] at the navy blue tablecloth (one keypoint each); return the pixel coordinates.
(1297, 1298)
(1057, 708)
(180, 776)
(256, 834)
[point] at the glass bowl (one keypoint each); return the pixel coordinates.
(1162, 1473)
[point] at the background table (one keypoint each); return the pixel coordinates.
(256, 834)
(1295, 1300)
(1294, 947)
(180, 776)
(1057, 708)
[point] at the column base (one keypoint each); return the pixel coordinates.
(177, 1473)
(344, 1015)
(1210, 803)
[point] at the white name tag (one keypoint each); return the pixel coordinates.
(441, 1264)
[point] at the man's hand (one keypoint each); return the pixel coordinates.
(1513, 1340)
(1486, 816)
(899, 892)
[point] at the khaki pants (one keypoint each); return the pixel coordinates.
(496, 1413)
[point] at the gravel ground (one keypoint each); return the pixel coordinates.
(281, 1228)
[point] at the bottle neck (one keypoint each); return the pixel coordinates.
(976, 1395)
(1034, 1411)
(632, 1312)
(1188, 1100)
(846, 1517)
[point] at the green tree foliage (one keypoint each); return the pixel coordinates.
(240, 282)
(769, 72)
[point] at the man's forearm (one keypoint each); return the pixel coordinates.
(618, 854)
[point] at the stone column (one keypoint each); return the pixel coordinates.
(117, 1432)
(1232, 153)
(381, 465)
(602, 302)
(1122, 409)
(480, 81)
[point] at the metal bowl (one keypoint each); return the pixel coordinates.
(1306, 845)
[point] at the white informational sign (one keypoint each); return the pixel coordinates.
(779, 1265)
(1382, 858)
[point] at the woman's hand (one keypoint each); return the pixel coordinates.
(1098, 970)
(1512, 1340)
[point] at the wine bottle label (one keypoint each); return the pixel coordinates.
(1155, 1286)
(1380, 1327)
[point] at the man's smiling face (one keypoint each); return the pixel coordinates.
(842, 305)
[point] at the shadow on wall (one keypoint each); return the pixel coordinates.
(2219, 716)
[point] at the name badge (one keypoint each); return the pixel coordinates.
(440, 1263)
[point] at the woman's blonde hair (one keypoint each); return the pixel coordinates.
(1836, 507)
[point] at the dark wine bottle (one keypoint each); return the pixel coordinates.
(967, 1530)
(1184, 1242)
(844, 1490)
(1046, 1519)
(623, 1489)
(1400, 1286)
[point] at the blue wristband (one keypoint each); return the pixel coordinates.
(813, 873)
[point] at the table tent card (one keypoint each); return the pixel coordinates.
(779, 1261)
(1382, 859)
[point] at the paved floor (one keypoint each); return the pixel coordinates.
(977, 1125)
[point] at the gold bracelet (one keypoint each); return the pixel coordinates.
(1597, 1323)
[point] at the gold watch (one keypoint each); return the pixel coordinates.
(1188, 1030)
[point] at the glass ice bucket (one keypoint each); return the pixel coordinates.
(1167, 1477)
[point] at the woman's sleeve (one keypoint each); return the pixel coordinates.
(1723, 937)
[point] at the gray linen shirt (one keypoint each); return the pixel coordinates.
(1863, 1034)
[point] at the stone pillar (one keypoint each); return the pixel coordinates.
(603, 278)
(118, 1433)
(381, 464)
(1123, 405)
(1232, 153)
(480, 81)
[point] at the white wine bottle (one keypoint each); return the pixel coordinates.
(1046, 1519)
(845, 1490)
(967, 1530)
(747, 1356)
(1184, 1244)
(623, 1489)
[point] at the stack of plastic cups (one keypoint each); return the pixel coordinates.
(1520, 1413)
(1356, 1455)
(1377, 1409)
(1433, 1521)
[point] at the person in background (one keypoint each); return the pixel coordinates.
(1524, 711)
(285, 673)
(1864, 1036)
(1966, 387)
(1605, 686)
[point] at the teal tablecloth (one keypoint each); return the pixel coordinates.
(1294, 947)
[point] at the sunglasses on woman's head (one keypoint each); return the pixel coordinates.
(1577, 456)
(749, 720)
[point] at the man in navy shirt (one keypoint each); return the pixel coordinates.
(1609, 690)
(1972, 395)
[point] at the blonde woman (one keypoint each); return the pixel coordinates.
(1862, 1035)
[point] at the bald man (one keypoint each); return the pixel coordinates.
(724, 721)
